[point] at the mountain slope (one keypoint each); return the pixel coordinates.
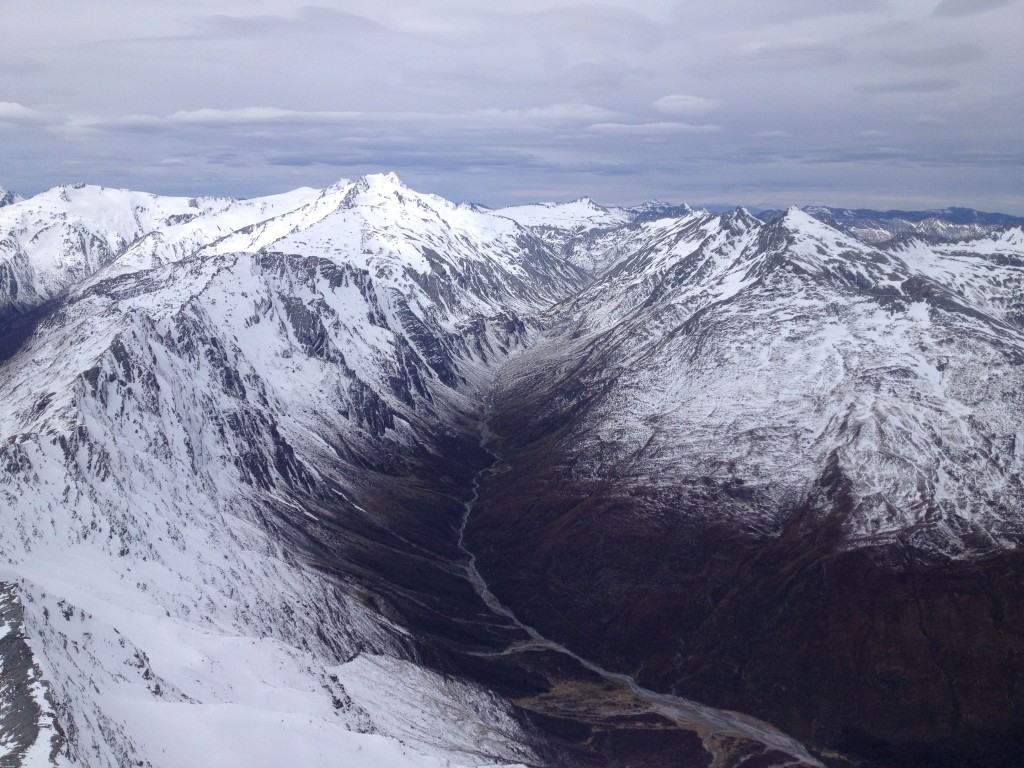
(63, 236)
(186, 599)
(281, 388)
(760, 463)
(360, 474)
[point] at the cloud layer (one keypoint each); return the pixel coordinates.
(910, 103)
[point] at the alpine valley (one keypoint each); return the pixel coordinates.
(362, 477)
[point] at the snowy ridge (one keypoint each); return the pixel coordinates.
(63, 236)
(578, 215)
(589, 235)
(422, 243)
(947, 224)
(268, 380)
(773, 356)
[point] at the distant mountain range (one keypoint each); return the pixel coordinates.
(362, 476)
(874, 227)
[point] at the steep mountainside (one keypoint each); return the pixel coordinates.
(777, 470)
(206, 427)
(360, 475)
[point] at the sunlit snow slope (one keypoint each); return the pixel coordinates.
(184, 432)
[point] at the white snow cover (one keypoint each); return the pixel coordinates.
(578, 214)
(732, 353)
(145, 437)
(67, 234)
(214, 359)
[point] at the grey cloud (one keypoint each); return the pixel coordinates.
(621, 99)
(921, 85)
(796, 52)
(937, 56)
(811, 8)
(620, 28)
(651, 129)
(13, 112)
(685, 104)
(281, 121)
(592, 74)
(968, 7)
(22, 67)
(310, 20)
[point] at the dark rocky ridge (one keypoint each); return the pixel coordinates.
(21, 715)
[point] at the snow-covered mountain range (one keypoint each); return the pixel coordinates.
(876, 227)
(251, 450)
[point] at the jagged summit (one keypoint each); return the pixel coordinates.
(9, 198)
(380, 182)
(740, 218)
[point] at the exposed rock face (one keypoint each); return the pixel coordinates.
(29, 727)
(8, 198)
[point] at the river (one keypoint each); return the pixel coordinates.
(719, 730)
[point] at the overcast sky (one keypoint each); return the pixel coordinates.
(909, 103)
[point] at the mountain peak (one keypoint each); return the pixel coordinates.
(387, 180)
(657, 209)
(341, 183)
(798, 219)
(9, 198)
(739, 219)
(380, 184)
